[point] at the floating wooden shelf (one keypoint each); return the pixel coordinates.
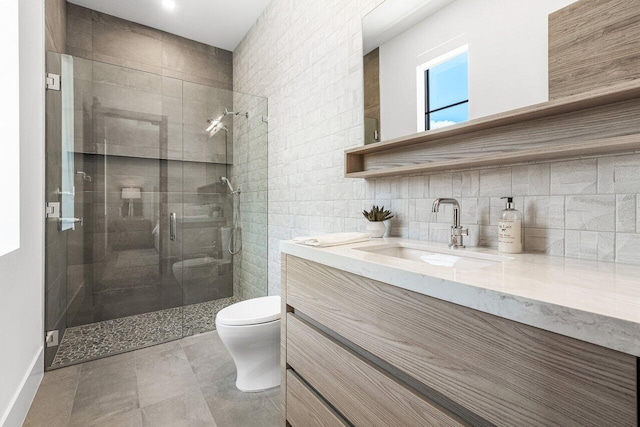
(597, 122)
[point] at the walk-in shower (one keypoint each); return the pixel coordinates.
(158, 252)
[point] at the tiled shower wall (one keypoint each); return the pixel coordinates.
(306, 57)
(100, 37)
(249, 174)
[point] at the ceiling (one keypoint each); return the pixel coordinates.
(214, 22)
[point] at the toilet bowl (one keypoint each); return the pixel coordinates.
(250, 330)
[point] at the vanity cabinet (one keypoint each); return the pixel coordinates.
(361, 352)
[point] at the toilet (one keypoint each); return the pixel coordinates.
(250, 330)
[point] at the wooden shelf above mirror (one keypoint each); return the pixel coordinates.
(599, 122)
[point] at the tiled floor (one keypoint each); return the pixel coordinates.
(189, 382)
(100, 339)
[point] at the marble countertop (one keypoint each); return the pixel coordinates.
(597, 302)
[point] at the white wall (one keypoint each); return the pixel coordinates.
(507, 58)
(22, 271)
(10, 130)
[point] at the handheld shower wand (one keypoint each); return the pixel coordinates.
(226, 181)
(236, 214)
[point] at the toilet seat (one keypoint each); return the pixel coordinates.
(250, 312)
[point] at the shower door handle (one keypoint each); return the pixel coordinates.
(172, 226)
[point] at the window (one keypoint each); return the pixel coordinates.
(447, 93)
(443, 97)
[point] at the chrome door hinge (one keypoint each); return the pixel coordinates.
(53, 81)
(52, 210)
(51, 338)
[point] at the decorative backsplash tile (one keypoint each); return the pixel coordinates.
(574, 177)
(544, 211)
(466, 184)
(441, 184)
(495, 182)
(544, 240)
(626, 213)
(628, 248)
(531, 180)
(593, 213)
(590, 245)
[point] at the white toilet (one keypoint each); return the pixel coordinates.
(250, 330)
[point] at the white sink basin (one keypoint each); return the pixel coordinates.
(457, 259)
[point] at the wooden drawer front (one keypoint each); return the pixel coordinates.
(305, 408)
(364, 394)
(505, 372)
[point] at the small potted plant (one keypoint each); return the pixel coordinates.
(376, 217)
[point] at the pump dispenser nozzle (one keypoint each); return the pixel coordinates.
(510, 204)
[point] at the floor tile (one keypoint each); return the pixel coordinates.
(104, 392)
(231, 407)
(58, 374)
(132, 418)
(190, 382)
(186, 409)
(53, 402)
(274, 395)
(163, 374)
(143, 353)
(208, 357)
(117, 360)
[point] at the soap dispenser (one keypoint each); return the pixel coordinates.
(510, 229)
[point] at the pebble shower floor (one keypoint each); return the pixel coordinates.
(102, 339)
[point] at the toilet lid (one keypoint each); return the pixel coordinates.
(250, 312)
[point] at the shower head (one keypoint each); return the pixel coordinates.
(235, 113)
(225, 180)
(216, 128)
(213, 123)
(216, 123)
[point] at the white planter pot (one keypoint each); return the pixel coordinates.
(376, 229)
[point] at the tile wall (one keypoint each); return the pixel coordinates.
(306, 57)
(249, 173)
(100, 37)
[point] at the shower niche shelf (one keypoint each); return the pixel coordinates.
(603, 121)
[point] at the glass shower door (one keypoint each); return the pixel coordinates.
(111, 285)
(126, 145)
(150, 261)
(207, 267)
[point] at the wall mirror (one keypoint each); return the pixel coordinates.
(429, 64)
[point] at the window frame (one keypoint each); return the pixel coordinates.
(423, 113)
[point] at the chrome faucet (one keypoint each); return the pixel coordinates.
(457, 232)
